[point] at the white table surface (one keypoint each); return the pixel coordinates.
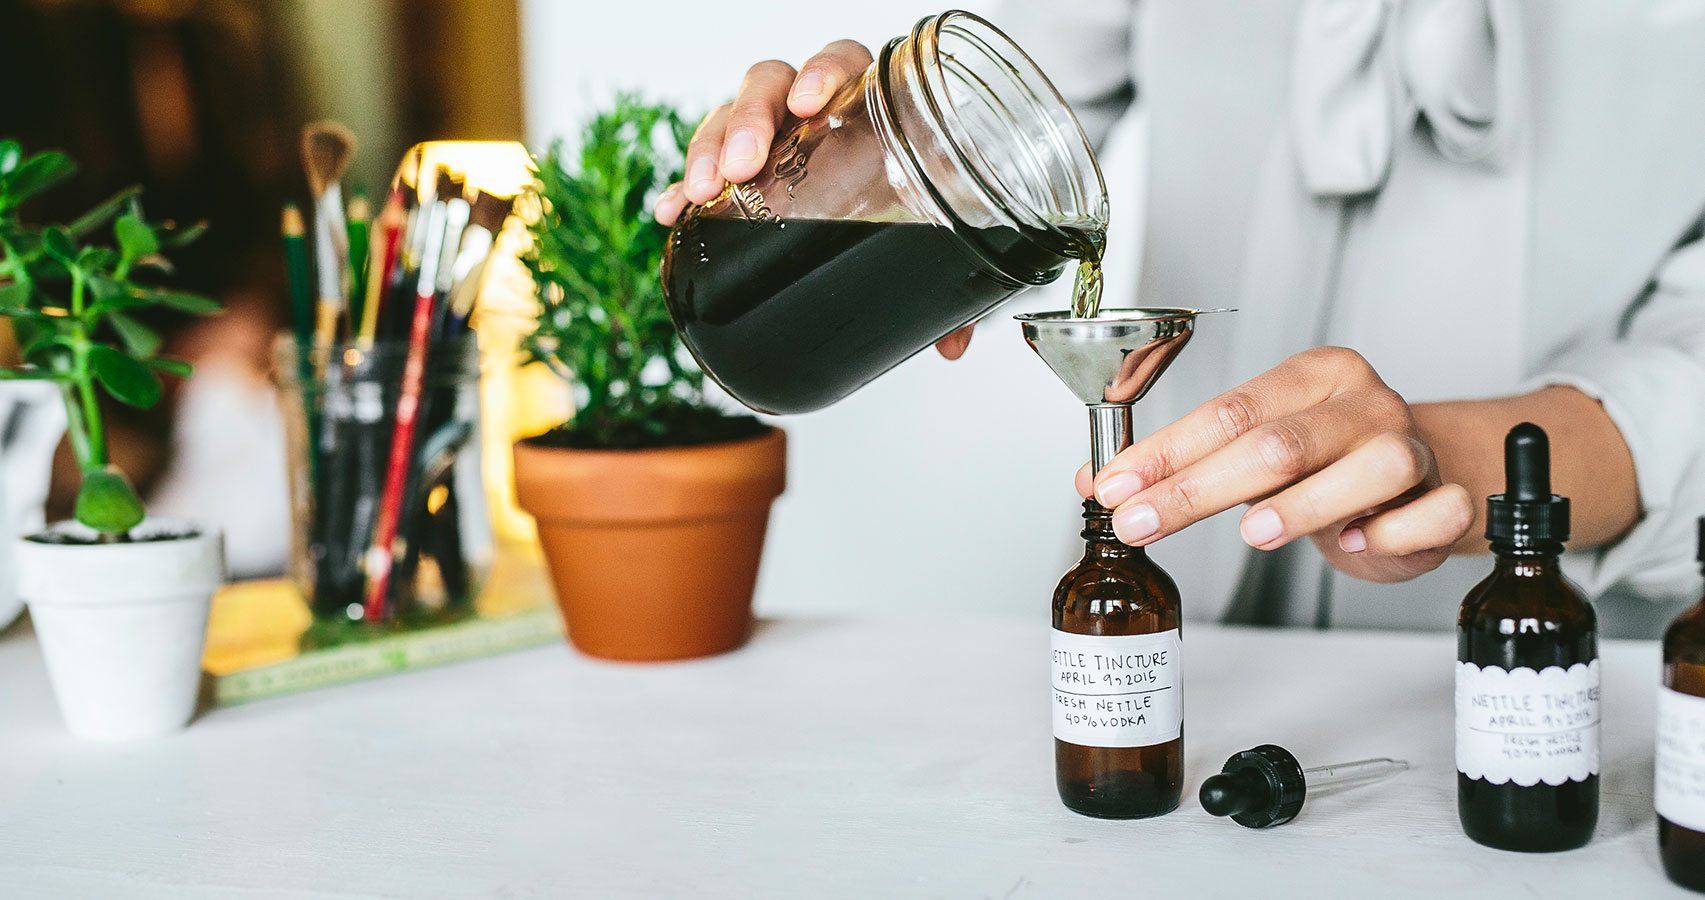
(860, 759)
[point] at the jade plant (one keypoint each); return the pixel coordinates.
(74, 301)
(603, 324)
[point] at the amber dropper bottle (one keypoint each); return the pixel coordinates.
(1118, 706)
(1527, 679)
(1680, 794)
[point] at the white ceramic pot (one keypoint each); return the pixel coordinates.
(122, 625)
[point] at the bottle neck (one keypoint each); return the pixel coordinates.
(1098, 536)
(1531, 561)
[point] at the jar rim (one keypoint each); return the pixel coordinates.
(1071, 151)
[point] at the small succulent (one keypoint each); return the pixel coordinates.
(74, 306)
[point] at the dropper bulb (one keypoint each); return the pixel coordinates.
(1527, 464)
(1221, 796)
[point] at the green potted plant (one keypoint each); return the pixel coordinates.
(651, 502)
(119, 600)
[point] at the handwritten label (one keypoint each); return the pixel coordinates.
(1680, 794)
(1117, 691)
(1525, 726)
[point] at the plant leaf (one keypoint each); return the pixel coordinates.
(170, 366)
(102, 213)
(135, 238)
(37, 174)
(194, 304)
(10, 153)
(128, 381)
(107, 503)
(15, 295)
(58, 244)
(172, 237)
(138, 338)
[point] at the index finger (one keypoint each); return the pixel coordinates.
(824, 74)
(1286, 389)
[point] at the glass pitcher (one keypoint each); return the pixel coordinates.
(945, 179)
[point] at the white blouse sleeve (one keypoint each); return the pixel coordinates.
(1085, 48)
(1649, 373)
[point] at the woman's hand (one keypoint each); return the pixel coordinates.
(1320, 447)
(733, 141)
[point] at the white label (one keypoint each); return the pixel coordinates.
(1526, 726)
(1680, 794)
(1117, 691)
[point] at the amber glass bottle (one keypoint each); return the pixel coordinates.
(1118, 709)
(1680, 793)
(1527, 680)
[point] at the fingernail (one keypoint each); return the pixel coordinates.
(1134, 523)
(809, 85)
(741, 146)
(702, 175)
(1116, 488)
(669, 194)
(1352, 540)
(1261, 527)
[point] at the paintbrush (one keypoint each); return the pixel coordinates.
(327, 150)
(390, 234)
(381, 556)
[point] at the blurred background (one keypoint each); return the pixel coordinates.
(947, 481)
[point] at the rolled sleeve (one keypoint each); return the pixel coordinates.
(1649, 375)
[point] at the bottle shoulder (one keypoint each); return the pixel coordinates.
(1684, 639)
(1116, 594)
(1545, 594)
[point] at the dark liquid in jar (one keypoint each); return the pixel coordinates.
(790, 316)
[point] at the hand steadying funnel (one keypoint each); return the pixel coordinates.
(1110, 361)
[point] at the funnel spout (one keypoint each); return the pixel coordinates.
(1109, 432)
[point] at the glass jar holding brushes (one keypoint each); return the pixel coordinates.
(379, 386)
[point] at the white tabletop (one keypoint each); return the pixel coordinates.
(829, 759)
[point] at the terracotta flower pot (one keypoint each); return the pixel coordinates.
(654, 553)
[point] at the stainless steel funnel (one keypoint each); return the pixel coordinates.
(1110, 361)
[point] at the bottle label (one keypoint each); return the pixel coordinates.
(1117, 691)
(1680, 794)
(1525, 726)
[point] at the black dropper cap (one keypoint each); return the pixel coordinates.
(1259, 788)
(1526, 514)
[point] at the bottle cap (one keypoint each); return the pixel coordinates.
(1527, 513)
(1259, 788)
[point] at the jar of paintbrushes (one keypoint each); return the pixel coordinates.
(379, 382)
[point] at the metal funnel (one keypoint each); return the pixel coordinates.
(1110, 361)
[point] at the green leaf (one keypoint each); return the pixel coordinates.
(107, 503)
(58, 244)
(172, 237)
(135, 238)
(138, 338)
(194, 304)
(10, 154)
(128, 381)
(15, 295)
(102, 213)
(27, 375)
(37, 174)
(170, 366)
